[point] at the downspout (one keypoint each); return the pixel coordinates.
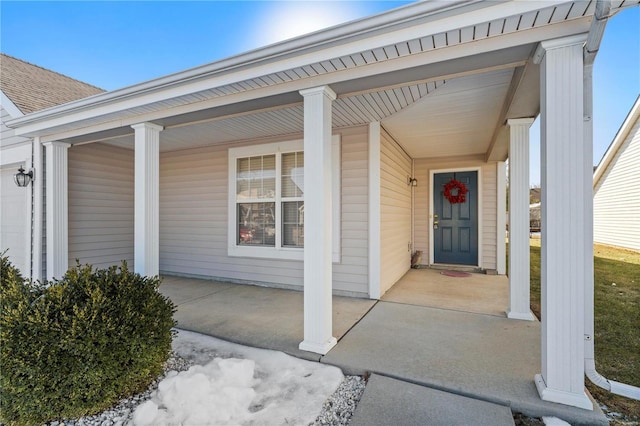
(601, 16)
(32, 206)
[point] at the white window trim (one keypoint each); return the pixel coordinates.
(277, 252)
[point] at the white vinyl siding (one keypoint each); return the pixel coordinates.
(194, 219)
(395, 212)
(488, 203)
(101, 205)
(15, 220)
(15, 203)
(351, 275)
(489, 217)
(616, 201)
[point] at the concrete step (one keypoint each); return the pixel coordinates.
(388, 401)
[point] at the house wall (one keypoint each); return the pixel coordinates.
(15, 203)
(616, 201)
(15, 236)
(194, 215)
(395, 212)
(488, 204)
(101, 205)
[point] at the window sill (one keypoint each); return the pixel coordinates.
(272, 253)
(266, 252)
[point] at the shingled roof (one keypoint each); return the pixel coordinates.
(32, 88)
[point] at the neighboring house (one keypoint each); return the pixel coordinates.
(535, 213)
(616, 195)
(320, 163)
(25, 88)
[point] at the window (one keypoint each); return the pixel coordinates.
(266, 200)
(292, 199)
(256, 200)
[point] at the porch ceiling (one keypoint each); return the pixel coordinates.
(432, 119)
(353, 110)
(458, 119)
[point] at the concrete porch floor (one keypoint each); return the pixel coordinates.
(484, 356)
(476, 293)
(262, 317)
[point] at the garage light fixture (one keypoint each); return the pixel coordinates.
(21, 178)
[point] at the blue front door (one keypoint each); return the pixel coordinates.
(455, 226)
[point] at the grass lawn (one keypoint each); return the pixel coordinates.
(617, 320)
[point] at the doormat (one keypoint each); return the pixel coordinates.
(457, 274)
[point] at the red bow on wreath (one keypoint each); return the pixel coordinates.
(460, 196)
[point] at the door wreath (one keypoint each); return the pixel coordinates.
(461, 193)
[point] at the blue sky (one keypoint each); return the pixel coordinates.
(115, 44)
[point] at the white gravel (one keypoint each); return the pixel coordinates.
(339, 407)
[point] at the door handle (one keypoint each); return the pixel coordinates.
(435, 221)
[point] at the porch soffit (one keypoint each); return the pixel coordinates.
(458, 119)
(433, 119)
(347, 111)
(339, 66)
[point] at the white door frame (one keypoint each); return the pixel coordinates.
(432, 173)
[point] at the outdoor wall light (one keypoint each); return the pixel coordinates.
(21, 178)
(412, 181)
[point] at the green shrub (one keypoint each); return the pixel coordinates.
(76, 346)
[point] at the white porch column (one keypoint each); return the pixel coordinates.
(147, 188)
(565, 156)
(57, 209)
(318, 333)
(519, 219)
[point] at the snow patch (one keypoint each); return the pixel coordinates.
(234, 384)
